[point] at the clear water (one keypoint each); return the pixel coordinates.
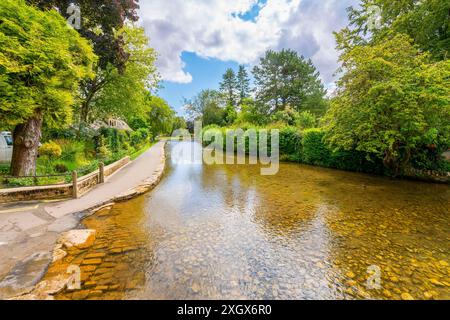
(226, 232)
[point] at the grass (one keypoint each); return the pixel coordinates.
(75, 161)
(4, 170)
(136, 154)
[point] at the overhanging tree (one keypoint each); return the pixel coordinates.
(100, 21)
(392, 101)
(426, 22)
(42, 61)
(125, 94)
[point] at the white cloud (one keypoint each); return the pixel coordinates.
(213, 28)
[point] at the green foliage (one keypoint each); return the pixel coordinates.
(103, 152)
(287, 116)
(229, 115)
(208, 106)
(73, 150)
(290, 143)
(114, 139)
(100, 21)
(314, 150)
(161, 116)
(42, 61)
(50, 149)
(4, 168)
(425, 21)
(430, 158)
(306, 146)
(305, 120)
(140, 136)
(229, 87)
(285, 85)
(179, 123)
(252, 112)
(285, 79)
(60, 168)
(392, 102)
(139, 121)
(124, 95)
(243, 84)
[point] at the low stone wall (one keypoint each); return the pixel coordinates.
(36, 193)
(62, 191)
(428, 175)
(88, 182)
(114, 167)
(81, 238)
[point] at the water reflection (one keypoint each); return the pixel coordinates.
(226, 232)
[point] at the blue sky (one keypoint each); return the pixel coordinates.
(197, 40)
(206, 73)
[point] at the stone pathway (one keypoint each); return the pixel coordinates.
(28, 231)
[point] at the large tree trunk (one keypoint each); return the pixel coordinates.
(26, 144)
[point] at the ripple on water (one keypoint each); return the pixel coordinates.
(225, 232)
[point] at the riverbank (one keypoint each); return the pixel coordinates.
(227, 232)
(309, 147)
(28, 234)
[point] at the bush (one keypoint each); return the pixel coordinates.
(114, 139)
(314, 150)
(139, 136)
(51, 150)
(308, 147)
(357, 161)
(430, 158)
(60, 168)
(103, 152)
(305, 120)
(4, 169)
(72, 150)
(290, 143)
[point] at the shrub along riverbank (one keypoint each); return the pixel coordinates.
(309, 147)
(63, 153)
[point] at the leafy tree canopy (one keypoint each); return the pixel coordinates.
(161, 116)
(42, 60)
(243, 84)
(392, 102)
(427, 22)
(125, 93)
(286, 79)
(229, 87)
(208, 106)
(100, 20)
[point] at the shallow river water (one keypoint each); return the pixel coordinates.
(227, 232)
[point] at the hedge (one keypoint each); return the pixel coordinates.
(308, 147)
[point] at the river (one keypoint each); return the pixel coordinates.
(227, 232)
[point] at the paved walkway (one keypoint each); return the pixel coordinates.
(28, 231)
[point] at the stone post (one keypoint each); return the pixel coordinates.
(75, 184)
(101, 172)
